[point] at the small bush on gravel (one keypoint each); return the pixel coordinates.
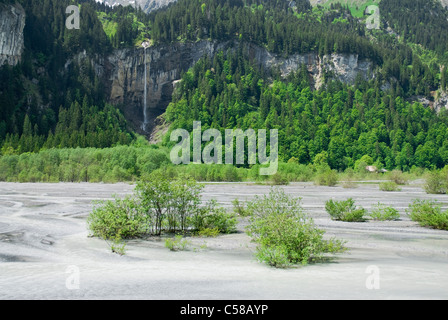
(169, 201)
(428, 214)
(240, 209)
(389, 186)
(119, 218)
(345, 210)
(436, 182)
(382, 213)
(327, 178)
(285, 234)
(398, 177)
(160, 204)
(177, 244)
(211, 216)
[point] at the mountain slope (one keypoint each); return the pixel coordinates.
(263, 61)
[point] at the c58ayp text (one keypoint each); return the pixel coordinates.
(230, 309)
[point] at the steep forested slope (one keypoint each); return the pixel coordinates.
(49, 101)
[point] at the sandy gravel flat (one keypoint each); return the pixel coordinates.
(45, 251)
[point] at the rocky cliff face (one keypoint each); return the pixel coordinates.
(146, 5)
(12, 22)
(124, 72)
(441, 102)
(342, 67)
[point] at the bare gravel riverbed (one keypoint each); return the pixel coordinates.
(45, 251)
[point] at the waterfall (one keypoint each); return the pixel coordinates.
(145, 97)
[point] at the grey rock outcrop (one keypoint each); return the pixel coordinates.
(146, 5)
(12, 22)
(441, 102)
(343, 67)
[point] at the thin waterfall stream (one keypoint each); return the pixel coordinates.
(145, 92)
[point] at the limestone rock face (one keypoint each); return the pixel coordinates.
(12, 22)
(343, 67)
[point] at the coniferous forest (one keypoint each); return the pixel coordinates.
(50, 107)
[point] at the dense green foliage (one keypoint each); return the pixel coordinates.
(285, 234)
(272, 24)
(124, 26)
(426, 25)
(44, 95)
(341, 123)
(77, 127)
(173, 201)
(122, 163)
(211, 216)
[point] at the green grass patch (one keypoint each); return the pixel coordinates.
(357, 7)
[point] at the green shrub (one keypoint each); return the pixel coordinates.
(436, 183)
(211, 216)
(348, 184)
(209, 232)
(274, 256)
(284, 233)
(428, 214)
(170, 200)
(350, 178)
(240, 209)
(159, 204)
(345, 210)
(398, 177)
(120, 218)
(382, 213)
(327, 178)
(279, 179)
(177, 244)
(389, 186)
(225, 222)
(118, 246)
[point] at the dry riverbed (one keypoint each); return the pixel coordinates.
(45, 251)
